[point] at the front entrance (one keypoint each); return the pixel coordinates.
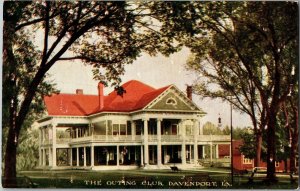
(189, 153)
(130, 155)
(152, 154)
(171, 154)
(106, 155)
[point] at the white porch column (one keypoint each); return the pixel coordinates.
(142, 155)
(76, 132)
(183, 154)
(183, 147)
(92, 156)
(146, 146)
(40, 157)
(84, 156)
(54, 144)
(77, 156)
(106, 130)
(211, 151)
(50, 157)
(203, 151)
(201, 129)
(190, 149)
(133, 130)
(217, 151)
(118, 155)
(40, 143)
(44, 157)
(196, 133)
(159, 141)
(92, 129)
(43, 135)
(71, 157)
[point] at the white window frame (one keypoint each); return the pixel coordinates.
(247, 160)
(173, 101)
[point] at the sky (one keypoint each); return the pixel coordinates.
(158, 71)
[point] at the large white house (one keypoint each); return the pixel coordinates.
(145, 127)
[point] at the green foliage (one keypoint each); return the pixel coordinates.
(238, 132)
(281, 144)
(245, 54)
(249, 140)
(226, 130)
(28, 154)
(211, 129)
(236, 56)
(249, 147)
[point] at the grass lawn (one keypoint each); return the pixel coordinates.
(204, 178)
(284, 182)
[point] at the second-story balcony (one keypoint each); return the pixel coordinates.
(151, 138)
(139, 139)
(109, 138)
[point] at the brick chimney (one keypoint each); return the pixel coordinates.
(101, 95)
(79, 91)
(189, 91)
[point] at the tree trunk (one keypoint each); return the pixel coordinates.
(271, 152)
(258, 149)
(9, 81)
(10, 160)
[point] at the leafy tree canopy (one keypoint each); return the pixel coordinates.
(245, 53)
(106, 35)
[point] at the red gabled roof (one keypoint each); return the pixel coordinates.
(137, 96)
(70, 104)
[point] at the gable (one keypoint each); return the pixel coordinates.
(172, 99)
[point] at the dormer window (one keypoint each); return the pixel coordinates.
(171, 101)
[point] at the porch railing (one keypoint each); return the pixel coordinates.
(151, 138)
(63, 140)
(108, 138)
(171, 138)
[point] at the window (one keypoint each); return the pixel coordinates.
(128, 128)
(189, 129)
(122, 129)
(174, 129)
(115, 129)
(119, 129)
(277, 164)
(171, 101)
(73, 133)
(246, 160)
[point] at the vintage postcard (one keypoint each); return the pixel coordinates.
(150, 94)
